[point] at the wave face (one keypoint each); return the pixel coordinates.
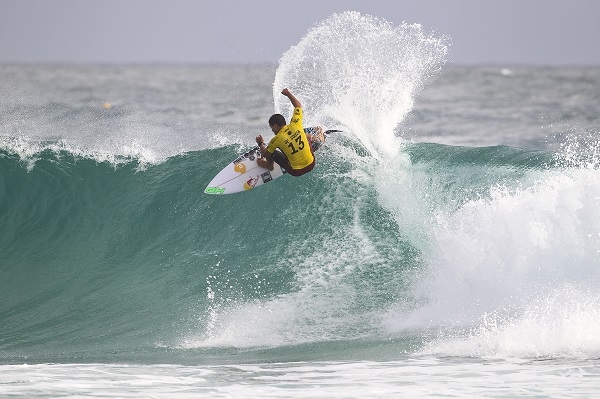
(99, 259)
(110, 251)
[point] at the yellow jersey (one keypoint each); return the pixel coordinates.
(292, 140)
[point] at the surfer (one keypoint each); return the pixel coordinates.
(291, 147)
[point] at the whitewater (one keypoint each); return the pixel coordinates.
(447, 244)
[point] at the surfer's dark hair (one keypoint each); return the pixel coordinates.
(278, 120)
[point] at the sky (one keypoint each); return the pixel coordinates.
(500, 32)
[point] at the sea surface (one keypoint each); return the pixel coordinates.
(447, 244)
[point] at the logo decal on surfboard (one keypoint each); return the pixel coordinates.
(266, 177)
(249, 185)
(251, 155)
(215, 190)
(240, 167)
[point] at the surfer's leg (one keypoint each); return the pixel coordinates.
(281, 160)
(316, 138)
(315, 144)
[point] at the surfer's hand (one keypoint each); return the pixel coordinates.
(259, 139)
(286, 92)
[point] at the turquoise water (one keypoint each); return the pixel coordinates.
(446, 244)
(117, 260)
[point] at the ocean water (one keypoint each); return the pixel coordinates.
(447, 243)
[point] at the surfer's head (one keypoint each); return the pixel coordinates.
(276, 122)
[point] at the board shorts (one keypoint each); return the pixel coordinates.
(281, 160)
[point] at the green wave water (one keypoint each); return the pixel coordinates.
(103, 260)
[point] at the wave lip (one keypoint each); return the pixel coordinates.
(29, 151)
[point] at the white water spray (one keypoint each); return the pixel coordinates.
(360, 72)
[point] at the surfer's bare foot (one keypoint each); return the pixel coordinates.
(320, 134)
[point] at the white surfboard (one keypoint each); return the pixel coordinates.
(244, 174)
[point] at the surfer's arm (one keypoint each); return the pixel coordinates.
(265, 153)
(286, 92)
(267, 162)
(261, 144)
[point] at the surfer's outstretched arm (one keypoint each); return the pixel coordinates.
(286, 92)
(296, 104)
